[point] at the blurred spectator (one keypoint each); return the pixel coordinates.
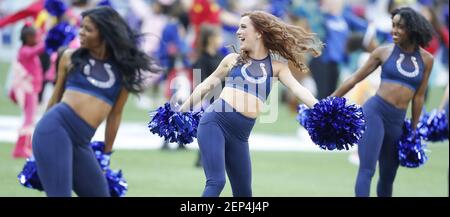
(280, 8)
(73, 14)
(208, 11)
(377, 12)
(439, 42)
(173, 55)
(42, 21)
(172, 44)
(299, 17)
(229, 30)
(26, 86)
(339, 21)
(151, 18)
(440, 38)
(208, 45)
(152, 21)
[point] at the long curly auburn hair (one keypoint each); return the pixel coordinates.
(288, 41)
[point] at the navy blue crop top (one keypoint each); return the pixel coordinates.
(98, 78)
(254, 77)
(404, 68)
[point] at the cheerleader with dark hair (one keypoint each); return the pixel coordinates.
(405, 70)
(93, 85)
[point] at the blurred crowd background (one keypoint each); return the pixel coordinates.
(195, 34)
(188, 36)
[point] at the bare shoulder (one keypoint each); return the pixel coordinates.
(426, 56)
(66, 58)
(279, 66)
(67, 54)
(229, 60)
(383, 50)
(382, 53)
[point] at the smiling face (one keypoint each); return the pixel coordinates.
(399, 32)
(89, 35)
(247, 34)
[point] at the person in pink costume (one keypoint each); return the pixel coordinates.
(26, 86)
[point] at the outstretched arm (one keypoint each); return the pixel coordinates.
(295, 87)
(29, 52)
(371, 64)
(212, 81)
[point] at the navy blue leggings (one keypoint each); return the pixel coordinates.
(64, 158)
(379, 143)
(223, 140)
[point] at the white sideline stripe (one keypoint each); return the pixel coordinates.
(135, 135)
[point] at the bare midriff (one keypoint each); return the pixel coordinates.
(244, 103)
(396, 94)
(88, 107)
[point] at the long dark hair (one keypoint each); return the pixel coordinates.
(419, 29)
(25, 32)
(121, 44)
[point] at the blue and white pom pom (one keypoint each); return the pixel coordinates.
(118, 186)
(179, 127)
(60, 35)
(55, 7)
(116, 182)
(433, 126)
(28, 177)
(104, 3)
(332, 124)
(411, 151)
(102, 158)
(160, 121)
(303, 114)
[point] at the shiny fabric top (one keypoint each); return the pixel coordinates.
(97, 78)
(254, 77)
(406, 69)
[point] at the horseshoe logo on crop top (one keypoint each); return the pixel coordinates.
(100, 84)
(404, 72)
(252, 79)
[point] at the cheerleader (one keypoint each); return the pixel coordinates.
(225, 127)
(405, 69)
(93, 84)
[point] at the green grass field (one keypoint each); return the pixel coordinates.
(155, 173)
(172, 173)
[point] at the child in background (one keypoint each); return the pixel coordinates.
(26, 86)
